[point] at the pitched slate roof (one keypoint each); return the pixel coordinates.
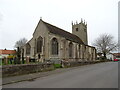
(55, 30)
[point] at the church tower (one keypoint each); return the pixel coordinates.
(80, 30)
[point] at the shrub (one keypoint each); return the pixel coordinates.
(57, 65)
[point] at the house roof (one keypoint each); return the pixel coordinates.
(116, 54)
(7, 51)
(63, 33)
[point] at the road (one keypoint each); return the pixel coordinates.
(102, 75)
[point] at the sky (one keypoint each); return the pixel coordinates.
(18, 18)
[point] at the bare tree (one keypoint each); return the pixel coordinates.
(20, 43)
(105, 44)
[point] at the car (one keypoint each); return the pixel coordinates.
(117, 58)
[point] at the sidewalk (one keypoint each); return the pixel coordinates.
(32, 76)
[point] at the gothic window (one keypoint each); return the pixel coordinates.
(28, 47)
(39, 44)
(35, 48)
(79, 51)
(70, 49)
(54, 46)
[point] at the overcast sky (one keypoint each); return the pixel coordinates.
(18, 18)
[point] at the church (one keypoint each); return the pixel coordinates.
(50, 42)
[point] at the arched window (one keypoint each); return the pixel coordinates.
(28, 48)
(39, 44)
(54, 46)
(35, 47)
(70, 49)
(79, 51)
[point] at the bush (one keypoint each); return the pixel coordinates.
(57, 65)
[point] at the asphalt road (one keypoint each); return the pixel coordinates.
(102, 75)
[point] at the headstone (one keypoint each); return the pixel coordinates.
(27, 60)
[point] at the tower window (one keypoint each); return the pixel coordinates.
(76, 29)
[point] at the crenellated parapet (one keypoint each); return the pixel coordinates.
(83, 22)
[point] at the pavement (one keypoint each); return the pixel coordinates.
(32, 76)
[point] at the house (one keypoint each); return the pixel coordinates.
(116, 55)
(110, 56)
(6, 53)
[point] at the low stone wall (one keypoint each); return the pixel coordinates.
(12, 70)
(79, 63)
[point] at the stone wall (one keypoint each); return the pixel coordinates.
(79, 63)
(12, 70)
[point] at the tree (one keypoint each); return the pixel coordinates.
(20, 43)
(105, 44)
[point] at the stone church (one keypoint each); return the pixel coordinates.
(53, 43)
